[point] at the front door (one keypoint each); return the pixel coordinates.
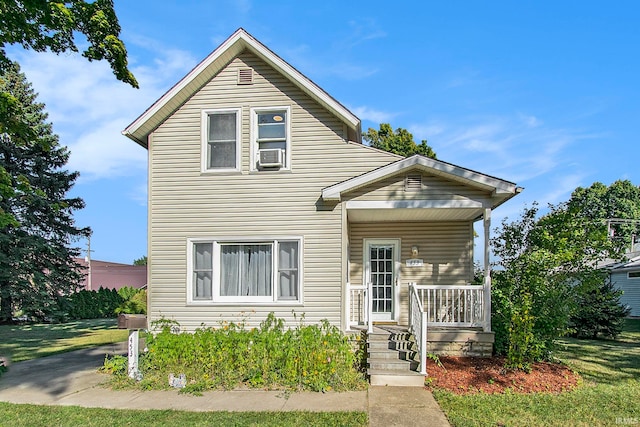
(381, 269)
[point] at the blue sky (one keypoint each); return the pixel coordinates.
(544, 94)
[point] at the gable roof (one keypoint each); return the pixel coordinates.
(500, 190)
(239, 42)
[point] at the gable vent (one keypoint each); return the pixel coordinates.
(245, 76)
(413, 183)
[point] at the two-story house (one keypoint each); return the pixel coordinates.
(263, 198)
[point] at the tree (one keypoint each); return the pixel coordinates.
(399, 142)
(140, 261)
(549, 268)
(53, 25)
(36, 252)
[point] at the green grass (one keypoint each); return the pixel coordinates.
(24, 342)
(37, 415)
(609, 394)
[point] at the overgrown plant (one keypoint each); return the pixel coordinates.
(306, 357)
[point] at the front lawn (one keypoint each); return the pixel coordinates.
(30, 341)
(39, 415)
(609, 394)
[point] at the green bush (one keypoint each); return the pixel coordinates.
(307, 357)
(599, 311)
(135, 301)
(86, 304)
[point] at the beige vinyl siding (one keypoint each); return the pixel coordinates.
(445, 247)
(186, 203)
(433, 188)
(631, 288)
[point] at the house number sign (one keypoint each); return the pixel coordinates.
(414, 262)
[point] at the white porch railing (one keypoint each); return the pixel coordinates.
(357, 305)
(444, 305)
(452, 305)
(418, 326)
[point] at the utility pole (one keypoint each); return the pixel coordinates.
(87, 258)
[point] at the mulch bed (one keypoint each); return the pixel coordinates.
(469, 375)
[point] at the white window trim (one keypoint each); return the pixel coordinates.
(216, 299)
(254, 136)
(204, 131)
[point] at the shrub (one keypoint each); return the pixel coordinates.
(86, 304)
(135, 301)
(599, 311)
(307, 357)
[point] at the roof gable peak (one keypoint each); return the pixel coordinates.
(238, 42)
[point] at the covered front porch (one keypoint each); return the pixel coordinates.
(408, 238)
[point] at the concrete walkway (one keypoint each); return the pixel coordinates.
(72, 379)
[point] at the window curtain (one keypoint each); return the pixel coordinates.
(246, 270)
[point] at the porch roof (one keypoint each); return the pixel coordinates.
(497, 190)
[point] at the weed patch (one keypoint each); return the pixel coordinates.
(307, 357)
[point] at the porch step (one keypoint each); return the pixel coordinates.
(390, 360)
(393, 378)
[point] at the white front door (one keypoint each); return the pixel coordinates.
(381, 269)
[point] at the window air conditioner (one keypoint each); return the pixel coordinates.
(269, 158)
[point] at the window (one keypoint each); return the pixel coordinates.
(221, 140)
(252, 271)
(634, 275)
(271, 135)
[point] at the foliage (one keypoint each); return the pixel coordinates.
(598, 310)
(37, 262)
(135, 301)
(140, 261)
(71, 416)
(31, 341)
(307, 357)
(54, 25)
(86, 304)
(549, 269)
(530, 297)
(399, 142)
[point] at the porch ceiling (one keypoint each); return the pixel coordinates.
(414, 214)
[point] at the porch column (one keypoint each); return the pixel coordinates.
(487, 270)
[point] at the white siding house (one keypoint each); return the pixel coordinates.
(262, 198)
(625, 276)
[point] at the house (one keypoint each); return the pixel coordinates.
(262, 198)
(625, 276)
(111, 275)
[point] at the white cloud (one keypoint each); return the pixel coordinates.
(376, 116)
(103, 152)
(89, 107)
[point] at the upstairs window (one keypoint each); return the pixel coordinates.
(271, 136)
(221, 140)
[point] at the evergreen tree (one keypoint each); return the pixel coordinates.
(37, 230)
(399, 142)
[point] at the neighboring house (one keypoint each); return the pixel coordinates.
(625, 276)
(262, 198)
(111, 275)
